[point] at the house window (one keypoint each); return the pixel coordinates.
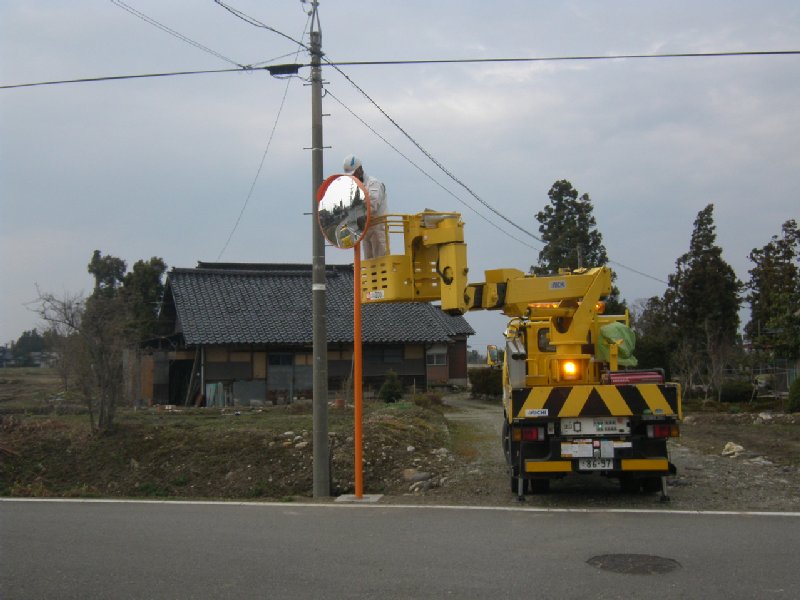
(435, 359)
(393, 354)
(280, 359)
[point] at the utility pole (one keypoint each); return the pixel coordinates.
(322, 483)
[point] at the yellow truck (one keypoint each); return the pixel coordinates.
(573, 401)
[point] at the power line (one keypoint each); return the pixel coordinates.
(424, 172)
(121, 77)
(458, 181)
(263, 157)
(180, 36)
(643, 274)
(256, 66)
(257, 23)
(431, 157)
(252, 21)
(173, 33)
(562, 58)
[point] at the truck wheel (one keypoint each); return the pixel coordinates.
(630, 484)
(540, 486)
(651, 485)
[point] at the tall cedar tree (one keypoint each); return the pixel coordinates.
(569, 232)
(143, 290)
(774, 294)
(703, 301)
(703, 293)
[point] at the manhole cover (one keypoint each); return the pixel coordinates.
(634, 564)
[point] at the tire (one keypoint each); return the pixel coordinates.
(540, 486)
(504, 438)
(630, 484)
(651, 485)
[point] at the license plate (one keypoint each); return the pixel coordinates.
(595, 464)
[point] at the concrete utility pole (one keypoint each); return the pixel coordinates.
(322, 482)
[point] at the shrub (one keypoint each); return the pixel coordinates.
(486, 382)
(794, 396)
(427, 400)
(736, 391)
(392, 389)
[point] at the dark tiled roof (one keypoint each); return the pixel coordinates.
(234, 303)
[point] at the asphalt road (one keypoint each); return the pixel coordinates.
(86, 550)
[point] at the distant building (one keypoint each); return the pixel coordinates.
(241, 334)
(6, 358)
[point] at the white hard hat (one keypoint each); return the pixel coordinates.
(351, 163)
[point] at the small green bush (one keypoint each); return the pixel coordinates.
(794, 396)
(736, 392)
(392, 389)
(486, 382)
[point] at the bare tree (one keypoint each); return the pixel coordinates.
(92, 335)
(62, 316)
(686, 365)
(721, 354)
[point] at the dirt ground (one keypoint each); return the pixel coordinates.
(764, 475)
(448, 454)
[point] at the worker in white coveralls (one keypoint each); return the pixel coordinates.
(374, 242)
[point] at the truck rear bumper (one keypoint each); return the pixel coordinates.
(650, 466)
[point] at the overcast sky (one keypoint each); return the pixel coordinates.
(163, 166)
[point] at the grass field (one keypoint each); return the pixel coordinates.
(48, 448)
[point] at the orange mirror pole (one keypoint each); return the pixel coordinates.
(357, 372)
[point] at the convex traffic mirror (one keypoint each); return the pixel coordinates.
(343, 210)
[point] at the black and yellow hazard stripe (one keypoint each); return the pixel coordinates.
(597, 401)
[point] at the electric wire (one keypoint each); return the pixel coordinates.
(257, 23)
(121, 77)
(424, 172)
(256, 66)
(619, 264)
(358, 63)
(272, 60)
(441, 167)
(173, 33)
(263, 157)
(243, 16)
(188, 40)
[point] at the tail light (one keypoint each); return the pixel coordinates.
(528, 434)
(663, 430)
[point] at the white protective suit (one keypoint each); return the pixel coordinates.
(374, 242)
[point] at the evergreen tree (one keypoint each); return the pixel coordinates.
(569, 232)
(774, 294)
(108, 272)
(28, 342)
(704, 290)
(392, 388)
(702, 301)
(143, 289)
